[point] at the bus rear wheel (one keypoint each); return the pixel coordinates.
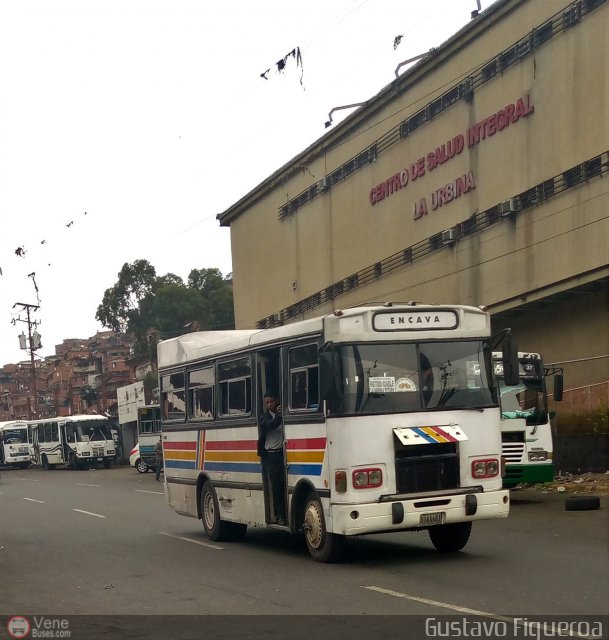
(322, 546)
(449, 538)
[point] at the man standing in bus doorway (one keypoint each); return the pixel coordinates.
(159, 458)
(270, 451)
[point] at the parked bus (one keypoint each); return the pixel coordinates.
(148, 433)
(390, 423)
(14, 444)
(75, 441)
(526, 432)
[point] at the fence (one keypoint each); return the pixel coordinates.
(584, 399)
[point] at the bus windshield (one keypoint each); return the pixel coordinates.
(93, 432)
(395, 378)
(525, 400)
(16, 436)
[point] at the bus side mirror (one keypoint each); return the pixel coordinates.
(510, 362)
(558, 387)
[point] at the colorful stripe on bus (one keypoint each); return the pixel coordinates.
(305, 456)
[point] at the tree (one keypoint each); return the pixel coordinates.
(121, 301)
(152, 307)
(217, 293)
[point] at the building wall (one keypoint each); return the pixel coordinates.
(284, 263)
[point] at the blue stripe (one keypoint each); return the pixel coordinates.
(304, 469)
(180, 464)
(424, 435)
(147, 449)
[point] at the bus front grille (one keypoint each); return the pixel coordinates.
(427, 467)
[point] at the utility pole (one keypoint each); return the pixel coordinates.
(28, 308)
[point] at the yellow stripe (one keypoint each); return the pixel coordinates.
(180, 455)
(231, 456)
(436, 436)
(305, 456)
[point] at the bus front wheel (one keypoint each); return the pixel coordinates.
(449, 538)
(322, 546)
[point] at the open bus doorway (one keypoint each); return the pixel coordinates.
(272, 444)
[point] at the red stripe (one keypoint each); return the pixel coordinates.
(443, 433)
(180, 445)
(227, 445)
(307, 443)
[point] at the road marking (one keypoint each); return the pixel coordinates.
(89, 513)
(32, 500)
(84, 484)
(203, 544)
(535, 626)
(159, 493)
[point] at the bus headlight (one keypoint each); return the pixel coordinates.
(538, 456)
(485, 468)
(367, 478)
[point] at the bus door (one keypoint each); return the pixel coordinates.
(269, 381)
(69, 437)
(35, 444)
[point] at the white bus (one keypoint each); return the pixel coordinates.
(15, 444)
(75, 441)
(148, 434)
(390, 423)
(526, 431)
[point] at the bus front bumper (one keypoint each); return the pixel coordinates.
(419, 513)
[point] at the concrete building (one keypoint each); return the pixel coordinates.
(479, 176)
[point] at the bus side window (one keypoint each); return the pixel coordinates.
(70, 437)
(173, 396)
(304, 377)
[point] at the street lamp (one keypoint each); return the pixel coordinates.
(347, 106)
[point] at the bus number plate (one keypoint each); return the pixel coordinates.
(432, 518)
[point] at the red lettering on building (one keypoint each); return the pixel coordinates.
(451, 191)
(477, 132)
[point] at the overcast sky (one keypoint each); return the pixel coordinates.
(126, 126)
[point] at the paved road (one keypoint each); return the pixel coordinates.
(105, 542)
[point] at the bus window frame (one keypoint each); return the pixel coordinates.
(164, 395)
(219, 382)
(306, 369)
(191, 390)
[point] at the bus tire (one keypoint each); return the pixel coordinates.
(107, 464)
(449, 538)
(215, 529)
(582, 503)
(23, 465)
(73, 462)
(322, 546)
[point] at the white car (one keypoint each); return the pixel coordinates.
(136, 461)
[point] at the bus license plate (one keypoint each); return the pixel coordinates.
(432, 518)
